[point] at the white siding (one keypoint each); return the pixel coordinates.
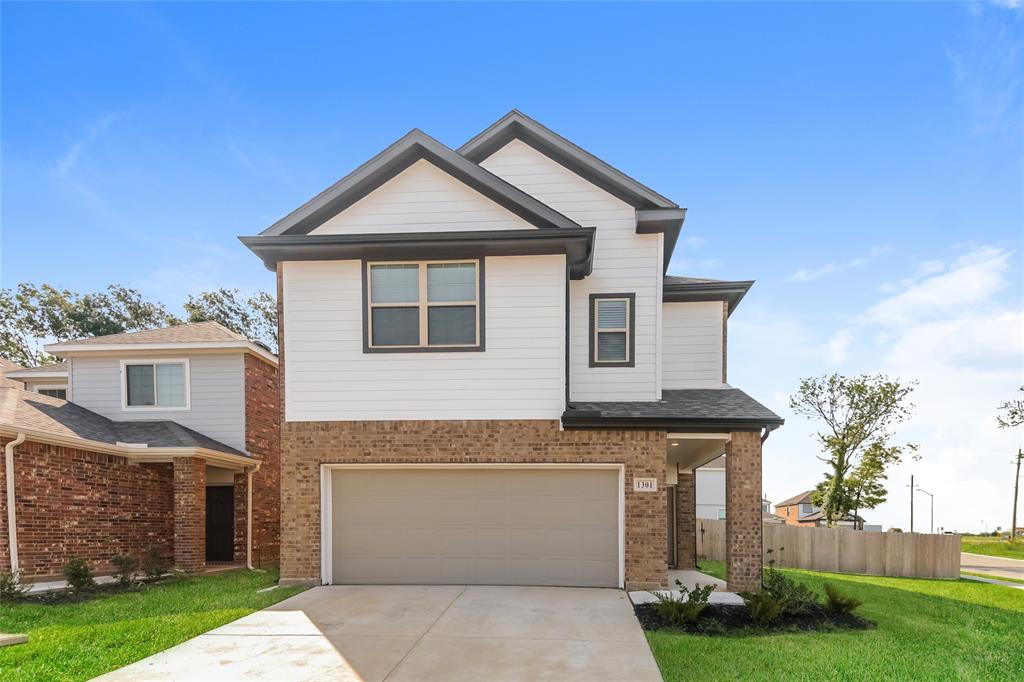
(422, 198)
(710, 485)
(520, 375)
(624, 262)
(217, 385)
(693, 345)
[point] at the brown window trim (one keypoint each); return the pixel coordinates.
(480, 347)
(631, 361)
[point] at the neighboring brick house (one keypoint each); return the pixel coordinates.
(156, 448)
(800, 511)
(487, 376)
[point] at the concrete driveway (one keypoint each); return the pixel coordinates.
(410, 632)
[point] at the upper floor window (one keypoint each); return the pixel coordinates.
(158, 384)
(61, 393)
(427, 305)
(612, 325)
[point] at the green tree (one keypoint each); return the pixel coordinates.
(1013, 416)
(32, 316)
(254, 318)
(858, 415)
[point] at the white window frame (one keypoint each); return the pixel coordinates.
(125, 407)
(39, 388)
(424, 304)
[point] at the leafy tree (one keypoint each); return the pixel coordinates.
(31, 316)
(1012, 413)
(254, 317)
(858, 414)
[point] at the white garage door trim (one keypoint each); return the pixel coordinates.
(326, 504)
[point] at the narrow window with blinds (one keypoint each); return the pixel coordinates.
(612, 324)
(429, 305)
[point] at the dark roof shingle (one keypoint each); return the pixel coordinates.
(693, 406)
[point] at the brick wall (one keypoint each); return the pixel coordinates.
(263, 442)
(307, 445)
(686, 520)
(73, 502)
(189, 513)
(743, 511)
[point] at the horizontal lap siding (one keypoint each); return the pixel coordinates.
(217, 394)
(520, 375)
(624, 262)
(422, 198)
(693, 345)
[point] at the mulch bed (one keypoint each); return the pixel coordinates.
(733, 619)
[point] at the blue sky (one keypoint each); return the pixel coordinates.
(862, 162)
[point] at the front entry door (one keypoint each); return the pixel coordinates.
(220, 523)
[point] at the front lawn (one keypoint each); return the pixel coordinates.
(78, 641)
(927, 630)
(993, 546)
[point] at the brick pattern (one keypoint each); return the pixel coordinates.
(189, 513)
(73, 502)
(263, 442)
(743, 511)
(307, 445)
(686, 521)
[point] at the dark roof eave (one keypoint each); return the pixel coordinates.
(577, 243)
(732, 292)
(594, 420)
(668, 221)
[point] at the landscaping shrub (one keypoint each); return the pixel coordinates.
(154, 565)
(78, 575)
(686, 607)
(838, 603)
(765, 608)
(11, 587)
(795, 598)
(126, 566)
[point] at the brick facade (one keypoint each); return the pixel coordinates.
(307, 445)
(686, 520)
(189, 513)
(73, 502)
(743, 511)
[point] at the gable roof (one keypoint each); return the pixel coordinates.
(412, 147)
(517, 125)
(802, 498)
(54, 369)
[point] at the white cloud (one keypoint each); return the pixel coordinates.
(810, 275)
(68, 161)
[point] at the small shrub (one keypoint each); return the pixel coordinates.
(126, 566)
(685, 608)
(765, 608)
(154, 565)
(838, 603)
(795, 598)
(11, 587)
(78, 575)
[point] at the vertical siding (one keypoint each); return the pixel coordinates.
(217, 393)
(624, 262)
(422, 198)
(520, 375)
(692, 345)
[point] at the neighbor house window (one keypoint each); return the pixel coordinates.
(612, 324)
(61, 393)
(429, 305)
(156, 384)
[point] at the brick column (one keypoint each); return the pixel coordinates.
(189, 513)
(241, 517)
(743, 511)
(686, 520)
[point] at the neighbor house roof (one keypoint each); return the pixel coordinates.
(198, 335)
(45, 418)
(802, 498)
(683, 409)
(6, 366)
(54, 369)
(686, 289)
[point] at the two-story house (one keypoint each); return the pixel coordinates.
(488, 378)
(169, 440)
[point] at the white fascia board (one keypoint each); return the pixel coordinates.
(61, 349)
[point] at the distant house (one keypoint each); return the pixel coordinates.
(800, 511)
(50, 380)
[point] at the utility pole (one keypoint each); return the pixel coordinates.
(932, 524)
(911, 503)
(1016, 485)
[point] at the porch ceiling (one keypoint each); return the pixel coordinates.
(691, 450)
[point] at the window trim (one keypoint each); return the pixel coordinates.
(125, 407)
(630, 331)
(423, 305)
(39, 388)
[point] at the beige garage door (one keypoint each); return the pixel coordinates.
(479, 526)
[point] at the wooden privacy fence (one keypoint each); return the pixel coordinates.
(839, 550)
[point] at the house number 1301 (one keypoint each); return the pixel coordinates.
(645, 485)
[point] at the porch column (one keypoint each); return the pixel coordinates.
(743, 511)
(686, 520)
(189, 514)
(241, 518)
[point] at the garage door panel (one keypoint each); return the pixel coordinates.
(475, 526)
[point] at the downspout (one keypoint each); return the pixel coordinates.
(248, 515)
(12, 523)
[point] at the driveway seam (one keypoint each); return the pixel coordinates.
(420, 639)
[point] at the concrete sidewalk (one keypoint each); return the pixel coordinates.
(992, 566)
(406, 632)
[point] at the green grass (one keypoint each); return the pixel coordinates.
(79, 641)
(927, 630)
(993, 546)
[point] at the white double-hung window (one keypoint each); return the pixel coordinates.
(612, 326)
(155, 384)
(424, 306)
